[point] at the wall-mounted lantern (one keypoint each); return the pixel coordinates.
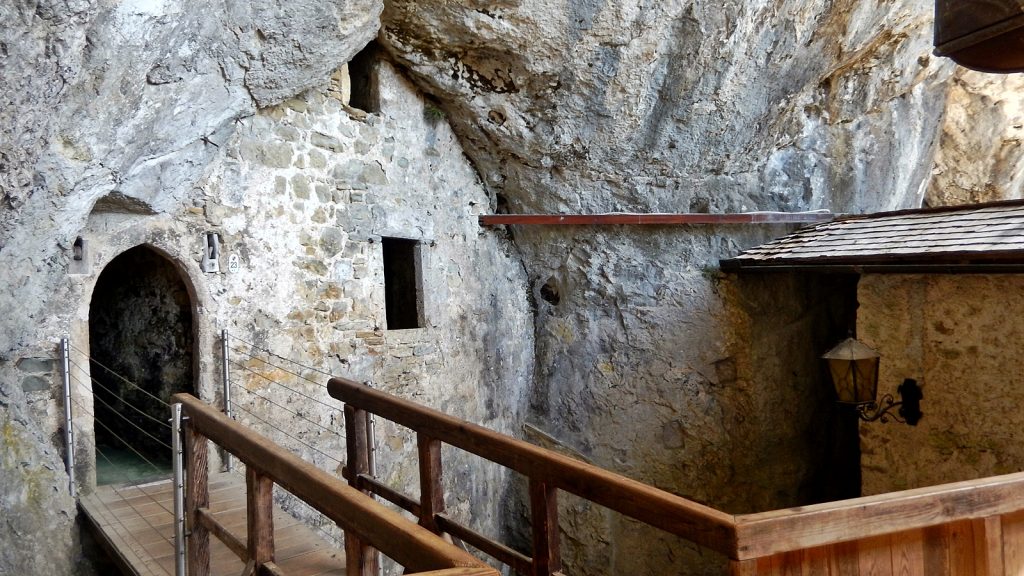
(854, 369)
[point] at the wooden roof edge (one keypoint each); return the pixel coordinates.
(930, 210)
(1005, 262)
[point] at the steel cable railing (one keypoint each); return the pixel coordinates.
(114, 515)
(281, 401)
(114, 373)
(277, 428)
(285, 370)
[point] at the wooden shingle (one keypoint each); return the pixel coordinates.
(980, 237)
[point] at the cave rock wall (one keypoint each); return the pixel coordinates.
(167, 123)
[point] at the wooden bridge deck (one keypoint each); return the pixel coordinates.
(136, 525)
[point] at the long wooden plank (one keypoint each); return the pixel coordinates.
(844, 559)
(655, 219)
(139, 549)
(875, 555)
(369, 484)
(1013, 543)
(698, 523)
(767, 533)
(816, 561)
(907, 549)
(412, 546)
(520, 563)
(937, 547)
(961, 549)
(458, 572)
(116, 542)
(218, 530)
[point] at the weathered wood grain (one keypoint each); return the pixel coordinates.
(412, 546)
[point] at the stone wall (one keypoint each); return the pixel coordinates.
(158, 123)
(592, 106)
(958, 336)
(300, 195)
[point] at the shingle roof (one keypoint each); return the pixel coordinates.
(962, 236)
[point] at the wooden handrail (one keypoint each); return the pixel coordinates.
(695, 522)
(767, 533)
(412, 546)
(749, 540)
(753, 541)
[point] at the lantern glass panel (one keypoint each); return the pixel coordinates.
(854, 370)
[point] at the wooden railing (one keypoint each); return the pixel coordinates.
(548, 472)
(367, 521)
(973, 528)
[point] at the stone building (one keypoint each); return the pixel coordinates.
(937, 293)
(275, 170)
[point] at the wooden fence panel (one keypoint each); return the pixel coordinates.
(1013, 543)
(937, 550)
(844, 559)
(908, 557)
(875, 555)
(946, 550)
(961, 549)
(988, 546)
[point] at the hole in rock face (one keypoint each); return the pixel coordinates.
(501, 205)
(141, 344)
(549, 292)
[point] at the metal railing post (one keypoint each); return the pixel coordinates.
(224, 350)
(69, 434)
(178, 456)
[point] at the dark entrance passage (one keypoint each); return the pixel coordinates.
(141, 340)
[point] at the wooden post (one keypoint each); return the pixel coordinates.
(259, 517)
(431, 491)
(360, 558)
(197, 495)
(544, 514)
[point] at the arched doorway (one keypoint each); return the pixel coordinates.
(141, 346)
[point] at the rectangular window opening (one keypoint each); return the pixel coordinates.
(403, 284)
(362, 70)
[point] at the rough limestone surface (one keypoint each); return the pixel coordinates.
(979, 157)
(38, 527)
(954, 335)
(135, 97)
(157, 122)
(300, 196)
(597, 106)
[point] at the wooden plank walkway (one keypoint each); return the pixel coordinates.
(136, 525)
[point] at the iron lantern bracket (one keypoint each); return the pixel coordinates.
(908, 408)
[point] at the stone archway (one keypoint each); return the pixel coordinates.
(141, 334)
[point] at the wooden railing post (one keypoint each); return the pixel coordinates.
(431, 491)
(197, 496)
(544, 515)
(259, 517)
(361, 559)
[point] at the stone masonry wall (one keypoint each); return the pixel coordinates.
(958, 336)
(300, 194)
